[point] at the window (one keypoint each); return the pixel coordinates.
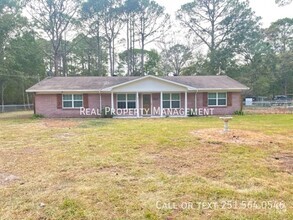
(72, 101)
(171, 100)
(217, 99)
(126, 101)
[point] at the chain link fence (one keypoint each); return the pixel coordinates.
(14, 108)
(272, 104)
(269, 107)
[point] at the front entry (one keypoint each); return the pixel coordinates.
(146, 103)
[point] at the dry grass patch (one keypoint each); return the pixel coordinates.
(217, 136)
(284, 162)
(16, 115)
(202, 160)
(7, 178)
(61, 123)
(120, 169)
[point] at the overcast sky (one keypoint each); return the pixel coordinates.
(267, 9)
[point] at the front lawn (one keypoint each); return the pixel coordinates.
(183, 168)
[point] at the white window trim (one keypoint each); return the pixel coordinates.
(171, 107)
(72, 100)
(126, 100)
(217, 99)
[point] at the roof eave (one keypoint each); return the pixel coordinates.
(61, 91)
(109, 89)
(223, 89)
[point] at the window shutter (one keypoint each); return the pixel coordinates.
(59, 101)
(205, 99)
(229, 99)
(85, 100)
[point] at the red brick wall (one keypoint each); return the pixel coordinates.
(47, 104)
(228, 110)
(106, 100)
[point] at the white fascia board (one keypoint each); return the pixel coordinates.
(223, 89)
(61, 91)
(145, 77)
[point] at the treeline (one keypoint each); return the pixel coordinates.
(39, 38)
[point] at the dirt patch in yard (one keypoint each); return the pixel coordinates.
(201, 160)
(285, 162)
(6, 178)
(217, 136)
(65, 136)
(60, 123)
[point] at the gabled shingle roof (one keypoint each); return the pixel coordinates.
(207, 82)
(79, 83)
(57, 84)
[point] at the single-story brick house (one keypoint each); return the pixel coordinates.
(137, 96)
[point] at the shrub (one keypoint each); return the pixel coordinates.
(191, 114)
(37, 116)
(106, 114)
(240, 112)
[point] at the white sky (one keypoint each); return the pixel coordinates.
(267, 9)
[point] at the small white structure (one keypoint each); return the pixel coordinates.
(248, 101)
(226, 122)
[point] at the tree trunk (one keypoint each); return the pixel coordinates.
(64, 56)
(285, 85)
(113, 56)
(56, 62)
(23, 95)
(110, 56)
(142, 57)
(82, 64)
(89, 64)
(99, 50)
(128, 47)
(133, 47)
(64, 61)
(212, 56)
(2, 97)
(28, 100)
(142, 46)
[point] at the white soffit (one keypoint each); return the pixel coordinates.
(150, 84)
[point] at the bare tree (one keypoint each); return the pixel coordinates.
(106, 20)
(92, 18)
(151, 25)
(283, 2)
(219, 24)
(177, 57)
(280, 35)
(54, 18)
(112, 24)
(130, 11)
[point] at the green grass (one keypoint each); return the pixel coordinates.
(145, 168)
